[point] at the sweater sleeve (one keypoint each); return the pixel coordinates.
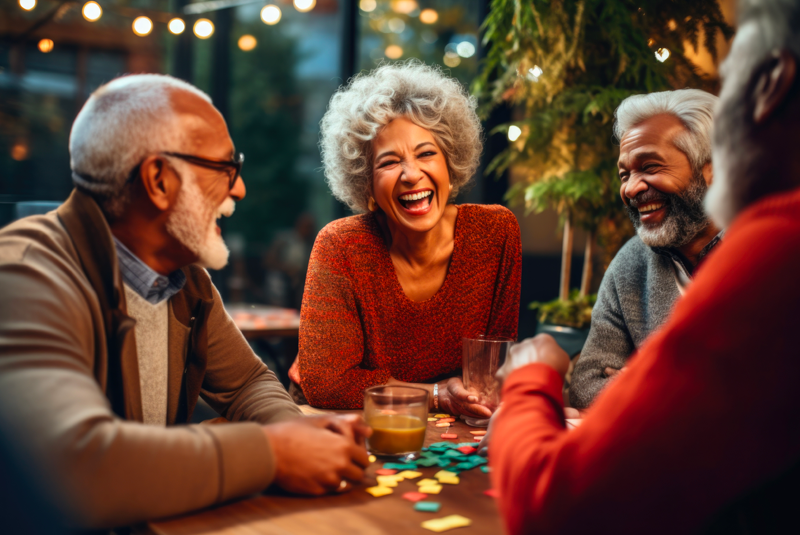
(608, 346)
(705, 413)
(331, 355)
(504, 318)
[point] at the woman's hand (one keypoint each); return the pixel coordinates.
(455, 399)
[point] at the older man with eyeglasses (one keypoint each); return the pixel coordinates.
(110, 327)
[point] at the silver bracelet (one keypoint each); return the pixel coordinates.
(436, 396)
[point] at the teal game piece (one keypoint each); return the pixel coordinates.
(428, 507)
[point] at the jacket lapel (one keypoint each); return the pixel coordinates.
(118, 375)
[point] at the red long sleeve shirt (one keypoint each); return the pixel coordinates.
(706, 413)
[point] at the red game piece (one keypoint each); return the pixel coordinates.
(478, 433)
(492, 493)
(445, 420)
(449, 435)
(478, 439)
(385, 472)
(466, 450)
(414, 496)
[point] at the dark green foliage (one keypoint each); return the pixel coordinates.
(575, 312)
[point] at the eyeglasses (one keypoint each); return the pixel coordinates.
(232, 167)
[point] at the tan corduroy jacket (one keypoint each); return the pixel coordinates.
(69, 380)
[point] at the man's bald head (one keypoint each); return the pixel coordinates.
(130, 118)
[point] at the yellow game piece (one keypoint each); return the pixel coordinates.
(441, 416)
(387, 481)
(449, 480)
(423, 482)
(409, 474)
(446, 523)
(432, 419)
(372, 458)
(379, 491)
(444, 473)
(430, 489)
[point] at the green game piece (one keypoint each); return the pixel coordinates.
(485, 469)
(452, 453)
(428, 507)
(443, 445)
(429, 461)
(444, 461)
(400, 466)
(477, 459)
(465, 444)
(465, 466)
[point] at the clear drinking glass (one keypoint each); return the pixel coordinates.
(398, 416)
(482, 357)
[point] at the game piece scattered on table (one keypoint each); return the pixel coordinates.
(428, 461)
(423, 482)
(479, 433)
(446, 523)
(466, 450)
(478, 439)
(408, 474)
(443, 473)
(447, 420)
(379, 491)
(386, 481)
(492, 493)
(432, 419)
(385, 472)
(428, 507)
(430, 489)
(441, 416)
(372, 458)
(400, 466)
(414, 496)
(452, 480)
(449, 435)
(440, 424)
(485, 469)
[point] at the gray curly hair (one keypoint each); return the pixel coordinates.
(421, 93)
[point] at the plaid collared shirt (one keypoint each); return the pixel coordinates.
(684, 271)
(144, 281)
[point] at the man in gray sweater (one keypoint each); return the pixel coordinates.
(665, 170)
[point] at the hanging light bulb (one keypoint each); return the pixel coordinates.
(304, 5)
(271, 14)
(662, 54)
(92, 11)
(203, 28)
(142, 26)
(514, 132)
(247, 43)
(428, 16)
(176, 26)
(46, 45)
(27, 5)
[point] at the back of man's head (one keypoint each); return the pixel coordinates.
(754, 153)
(122, 122)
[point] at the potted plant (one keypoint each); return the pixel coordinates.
(567, 65)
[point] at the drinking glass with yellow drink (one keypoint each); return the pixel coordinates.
(398, 416)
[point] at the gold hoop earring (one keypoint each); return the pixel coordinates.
(372, 205)
(451, 186)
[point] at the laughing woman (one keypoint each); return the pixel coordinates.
(391, 292)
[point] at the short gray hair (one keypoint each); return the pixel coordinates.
(421, 93)
(123, 121)
(694, 108)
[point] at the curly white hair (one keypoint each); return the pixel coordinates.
(421, 93)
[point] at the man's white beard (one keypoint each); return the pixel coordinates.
(194, 223)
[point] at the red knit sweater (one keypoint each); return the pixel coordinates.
(705, 418)
(358, 328)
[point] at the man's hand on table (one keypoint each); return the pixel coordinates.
(318, 454)
(455, 399)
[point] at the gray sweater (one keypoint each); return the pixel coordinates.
(635, 298)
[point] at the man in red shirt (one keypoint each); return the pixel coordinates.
(702, 432)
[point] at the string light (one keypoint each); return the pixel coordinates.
(271, 14)
(662, 54)
(176, 26)
(451, 59)
(247, 43)
(203, 28)
(428, 16)
(46, 45)
(393, 52)
(465, 49)
(92, 11)
(142, 26)
(514, 132)
(304, 5)
(367, 6)
(27, 5)
(404, 7)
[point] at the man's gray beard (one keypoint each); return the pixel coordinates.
(684, 220)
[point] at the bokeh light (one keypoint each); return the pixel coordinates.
(451, 59)
(514, 132)
(662, 54)
(142, 26)
(396, 25)
(428, 16)
(46, 45)
(247, 43)
(534, 73)
(304, 5)
(92, 11)
(271, 14)
(176, 26)
(203, 28)
(27, 5)
(404, 7)
(393, 52)
(19, 151)
(465, 49)
(368, 6)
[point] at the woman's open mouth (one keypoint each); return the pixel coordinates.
(416, 202)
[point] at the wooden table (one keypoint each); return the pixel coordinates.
(262, 321)
(352, 513)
